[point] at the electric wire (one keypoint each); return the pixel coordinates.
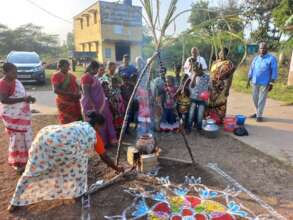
(48, 12)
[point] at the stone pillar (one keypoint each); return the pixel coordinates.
(290, 76)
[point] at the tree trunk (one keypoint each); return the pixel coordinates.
(290, 76)
(281, 58)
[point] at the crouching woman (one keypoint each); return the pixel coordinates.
(58, 159)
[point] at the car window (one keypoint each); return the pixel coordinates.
(23, 58)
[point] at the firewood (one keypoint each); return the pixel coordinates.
(94, 188)
(176, 160)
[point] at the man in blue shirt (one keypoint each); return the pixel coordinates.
(126, 69)
(263, 73)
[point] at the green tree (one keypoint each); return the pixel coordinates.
(282, 13)
(202, 16)
(70, 41)
(28, 37)
(211, 28)
(210, 19)
(217, 27)
(260, 11)
(147, 44)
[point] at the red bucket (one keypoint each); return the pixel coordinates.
(229, 123)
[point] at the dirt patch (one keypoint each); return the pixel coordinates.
(267, 178)
(8, 177)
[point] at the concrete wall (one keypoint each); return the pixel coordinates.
(135, 50)
(121, 33)
(110, 46)
(89, 34)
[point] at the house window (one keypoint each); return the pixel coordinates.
(118, 29)
(81, 23)
(88, 21)
(83, 47)
(97, 46)
(108, 52)
(90, 47)
(95, 17)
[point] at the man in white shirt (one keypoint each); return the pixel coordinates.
(195, 57)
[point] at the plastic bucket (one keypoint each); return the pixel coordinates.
(229, 123)
(240, 119)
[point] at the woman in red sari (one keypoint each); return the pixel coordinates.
(16, 116)
(68, 94)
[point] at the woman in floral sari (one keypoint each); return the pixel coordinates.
(58, 161)
(94, 100)
(221, 79)
(16, 116)
(68, 94)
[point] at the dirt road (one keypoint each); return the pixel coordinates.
(274, 135)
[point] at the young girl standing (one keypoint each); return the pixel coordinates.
(169, 105)
(117, 105)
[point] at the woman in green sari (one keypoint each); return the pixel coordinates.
(221, 79)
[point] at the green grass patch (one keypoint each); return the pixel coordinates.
(78, 73)
(49, 72)
(281, 91)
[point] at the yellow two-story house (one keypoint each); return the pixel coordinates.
(110, 30)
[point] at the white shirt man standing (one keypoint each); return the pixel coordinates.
(195, 57)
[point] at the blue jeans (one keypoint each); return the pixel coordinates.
(183, 117)
(169, 115)
(196, 113)
(132, 114)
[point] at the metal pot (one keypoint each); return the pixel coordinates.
(146, 144)
(210, 128)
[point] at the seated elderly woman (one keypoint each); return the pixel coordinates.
(58, 158)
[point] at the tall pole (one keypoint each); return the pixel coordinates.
(183, 52)
(290, 76)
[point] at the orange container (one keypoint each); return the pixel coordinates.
(229, 123)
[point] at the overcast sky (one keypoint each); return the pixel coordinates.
(14, 13)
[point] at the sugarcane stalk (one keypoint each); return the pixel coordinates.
(182, 132)
(125, 121)
(187, 146)
(152, 22)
